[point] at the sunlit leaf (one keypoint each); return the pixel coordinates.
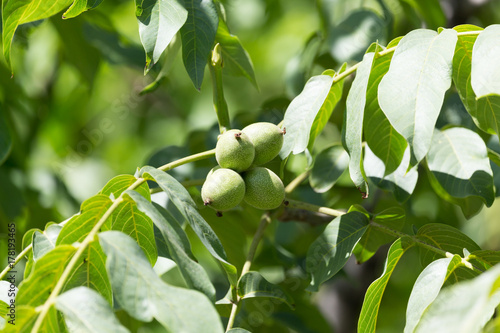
(75, 230)
(464, 307)
(412, 91)
(300, 114)
(462, 63)
(90, 272)
(17, 12)
(86, 311)
(401, 182)
(140, 292)
(46, 241)
(353, 122)
(120, 183)
(427, 287)
(458, 158)
(384, 141)
(35, 290)
(80, 6)
(128, 219)
(159, 21)
(371, 304)
(326, 110)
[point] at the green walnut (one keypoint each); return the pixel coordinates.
(267, 139)
(234, 150)
(264, 189)
(223, 189)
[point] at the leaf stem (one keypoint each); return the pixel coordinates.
(90, 237)
(220, 105)
(385, 229)
(314, 208)
(264, 222)
(10, 266)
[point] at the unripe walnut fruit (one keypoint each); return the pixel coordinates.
(234, 150)
(264, 189)
(223, 189)
(267, 139)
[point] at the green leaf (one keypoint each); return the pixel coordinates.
(351, 37)
(462, 62)
(120, 183)
(301, 113)
(25, 319)
(7, 300)
(458, 158)
(182, 200)
(140, 292)
(80, 6)
(76, 229)
(444, 237)
(90, 272)
(352, 134)
(484, 258)
(17, 12)
(159, 21)
(86, 311)
(238, 330)
(412, 91)
(174, 226)
(194, 275)
(235, 58)
(485, 62)
(330, 251)
(128, 219)
(328, 166)
(198, 36)
(427, 287)
(464, 307)
(384, 141)
(371, 304)
(5, 138)
(401, 182)
(252, 284)
(46, 241)
(470, 206)
(326, 110)
(484, 71)
(430, 11)
(35, 290)
(373, 238)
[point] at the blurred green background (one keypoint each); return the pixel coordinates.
(76, 119)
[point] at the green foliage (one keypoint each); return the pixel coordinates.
(159, 21)
(329, 253)
(144, 253)
(252, 284)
